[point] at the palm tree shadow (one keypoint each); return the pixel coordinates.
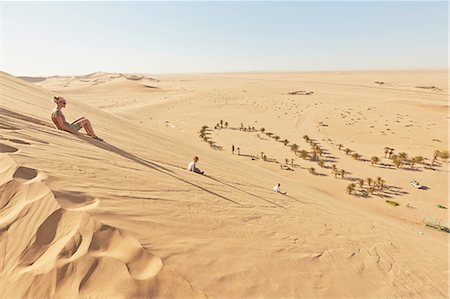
(111, 148)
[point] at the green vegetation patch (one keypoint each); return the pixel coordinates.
(391, 202)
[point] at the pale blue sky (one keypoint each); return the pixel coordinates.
(70, 38)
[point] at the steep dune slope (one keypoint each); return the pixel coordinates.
(53, 251)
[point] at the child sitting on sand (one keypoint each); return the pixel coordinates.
(60, 121)
(193, 166)
(277, 189)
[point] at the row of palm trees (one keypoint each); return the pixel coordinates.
(401, 158)
(204, 136)
(373, 184)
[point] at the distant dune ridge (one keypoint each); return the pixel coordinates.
(101, 82)
(125, 219)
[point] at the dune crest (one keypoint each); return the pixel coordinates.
(50, 251)
(99, 82)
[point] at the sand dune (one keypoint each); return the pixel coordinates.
(99, 82)
(82, 217)
(54, 250)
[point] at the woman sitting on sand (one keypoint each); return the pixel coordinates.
(60, 121)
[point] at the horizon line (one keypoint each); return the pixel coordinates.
(239, 72)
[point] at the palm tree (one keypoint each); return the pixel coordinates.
(397, 161)
(306, 137)
(294, 148)
(403, 156)
(242, 127)
(303, 154)
(361, 183)
(319, 151)
(276, 137)
(391, 152)
(321, 162)
(336, 172)
(416, 159)
(374, 160)
(355, 156)
(314, 155)
(221, 123)
(386, 151)
(285, 141)
(262, 130)
(340, 146)
(369, 181)
(333, 167)
(342, 173)
(269, 134)
(312, 170)
(226, 124)
(286, 161)
(380, 182)
(350, 188)
(444, 155)
(348, 151)
(435, 155)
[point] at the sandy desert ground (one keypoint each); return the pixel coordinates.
(123, 218)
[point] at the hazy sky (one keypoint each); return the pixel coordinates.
(67, 38)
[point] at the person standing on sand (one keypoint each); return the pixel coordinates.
(239, 151)
(232, 149)
(277, 189)
(60, 122)
(193, 166)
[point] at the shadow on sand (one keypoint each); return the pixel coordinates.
(113, 149)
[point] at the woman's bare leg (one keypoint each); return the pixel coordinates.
(86, 124)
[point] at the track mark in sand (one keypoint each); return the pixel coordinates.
(19, 141)
(76, 201)
(7, 149)
(25, 173)
(4, 125)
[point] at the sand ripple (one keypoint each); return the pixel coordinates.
(52, 249)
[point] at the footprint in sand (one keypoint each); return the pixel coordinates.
(7, 149)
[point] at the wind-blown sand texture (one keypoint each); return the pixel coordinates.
(123, 218)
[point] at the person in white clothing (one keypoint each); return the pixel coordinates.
(193, 166)
(277, 189)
